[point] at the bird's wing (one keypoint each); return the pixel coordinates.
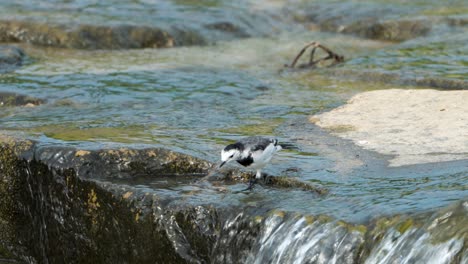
(256, 143)
(264, 155)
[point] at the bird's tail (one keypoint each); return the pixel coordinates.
(277, 147)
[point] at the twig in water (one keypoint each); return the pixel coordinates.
(331, 56)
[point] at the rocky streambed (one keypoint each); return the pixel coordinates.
(111, 116)
(60, 205)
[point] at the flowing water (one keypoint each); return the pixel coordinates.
(197, 99)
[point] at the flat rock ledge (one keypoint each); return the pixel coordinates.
(412, 126)
(51, 211)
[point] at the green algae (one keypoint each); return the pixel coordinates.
(198, 3)
(129, 134)
(362, 229)
(405, 225)
(262, 127)
(293, 183)
(446, 11)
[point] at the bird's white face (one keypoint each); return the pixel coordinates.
(228, 156)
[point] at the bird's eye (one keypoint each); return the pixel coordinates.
(231, 156)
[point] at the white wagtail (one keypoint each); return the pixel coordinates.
(251, 152)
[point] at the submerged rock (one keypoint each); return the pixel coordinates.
(228, 27)
(10, 58)
(13, 99)
(380, 21)
(85, 36)
(393, 30)
(398, 78)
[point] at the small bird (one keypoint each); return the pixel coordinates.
(252, 152)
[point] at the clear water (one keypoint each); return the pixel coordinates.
(198, 99)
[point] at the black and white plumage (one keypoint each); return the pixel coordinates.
(252, 152)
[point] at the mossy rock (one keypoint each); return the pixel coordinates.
(50, 214)
(10, 57)
(394, 30)
(270, 181)
(85, 36)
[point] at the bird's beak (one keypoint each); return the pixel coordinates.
(222, 163)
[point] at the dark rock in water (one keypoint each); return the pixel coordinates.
(118, 37)
(33, 33)
(187, 37)
(457, 21)
(228, 28)
(10, 58)
(85, 36)
(397, 30)
(375, 21)
(13, 99)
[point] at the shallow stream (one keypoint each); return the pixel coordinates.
(198, 99)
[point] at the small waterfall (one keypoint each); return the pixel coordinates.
(303, 240)
(291, 238)
(439, 239)
(283, 238)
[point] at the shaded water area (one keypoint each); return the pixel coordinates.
(223, 80)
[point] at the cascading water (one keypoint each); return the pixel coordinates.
(291, 238)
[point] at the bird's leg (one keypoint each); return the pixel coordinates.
(254, 180)
(258, 175)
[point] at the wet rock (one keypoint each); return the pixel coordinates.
(367, 20)
(33, 33)
(457, 21)
(13, 99)
(50, 214)
(118, 37)
(84, 36)
(123, 163)
(10, 58)
(187, 37)
(397, 30)
(228, 27)
(293, 183)
(284, 182)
